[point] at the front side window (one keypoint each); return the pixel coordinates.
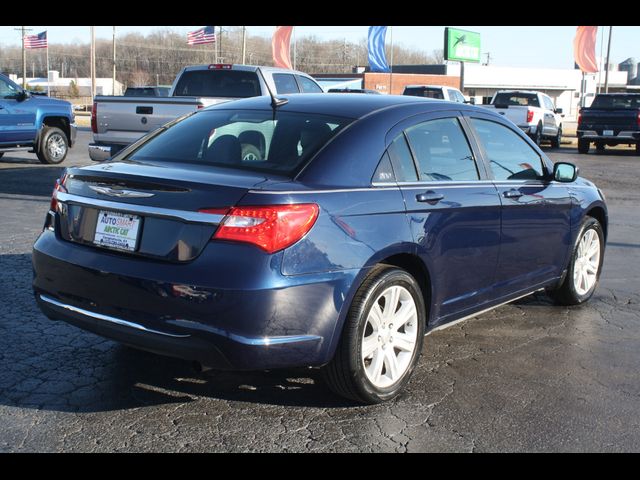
(243, 139)
(548, 104)
(510, 156)
(308, 86)
(8, 90)
(442, 151)
(285, 83)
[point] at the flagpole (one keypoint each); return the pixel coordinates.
(391, 68)
(48, 86)
(295, 47)
(244, 44)
(606, 72)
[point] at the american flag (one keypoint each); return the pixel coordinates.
(36, 41)
(204, 35)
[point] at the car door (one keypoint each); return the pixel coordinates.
(550, 127)
(453, 211)
(17, 118)
(536, 224)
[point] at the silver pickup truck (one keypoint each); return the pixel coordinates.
(119, 121)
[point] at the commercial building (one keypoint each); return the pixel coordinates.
(60, 86)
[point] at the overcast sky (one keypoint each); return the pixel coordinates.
(550, 47)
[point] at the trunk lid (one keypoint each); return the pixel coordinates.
(160, 200)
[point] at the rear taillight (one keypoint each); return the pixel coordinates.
(271, 228)
(58, 187)
(529, 116)
(94, 118)
(638, 119)
(579, 118)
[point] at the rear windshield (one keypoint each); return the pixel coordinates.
(616, 101)
(243, 139)
(515, 98)
(140, 92)
(425, 92)
(218, 83)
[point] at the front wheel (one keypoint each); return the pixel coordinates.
(53, 146)
(381, 340)
(584, 268)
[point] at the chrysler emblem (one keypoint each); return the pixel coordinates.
(121, 193)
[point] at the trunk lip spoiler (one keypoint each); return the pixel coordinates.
(184, 215)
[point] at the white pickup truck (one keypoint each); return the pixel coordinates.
(118, 121)
(533, 112)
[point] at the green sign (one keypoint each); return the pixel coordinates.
(461, 45)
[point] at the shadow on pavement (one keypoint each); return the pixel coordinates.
(51, 365)
(36, 181)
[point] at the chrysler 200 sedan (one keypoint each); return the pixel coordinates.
(316, 230)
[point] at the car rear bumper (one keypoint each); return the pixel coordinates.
(622, 136)
(287, 322)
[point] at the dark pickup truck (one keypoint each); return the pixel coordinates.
(612, 119)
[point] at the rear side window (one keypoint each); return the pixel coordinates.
(218, 83)
(510, 156)
(384, 172)
(442, 151)
(400, 155)
(285, 83)
(243, 139)
(425, 92)
(308, 86)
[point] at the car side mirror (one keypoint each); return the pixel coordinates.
(565, 172)
(471, 101)
(23, 95)
(558, 111)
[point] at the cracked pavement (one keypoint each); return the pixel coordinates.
(529, 376)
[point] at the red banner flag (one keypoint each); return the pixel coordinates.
(280, 47)
(584, 49)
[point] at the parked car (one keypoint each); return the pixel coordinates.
(533, 112)
(369, 221)
(39, 124)
(148, 91)
(354, 90)
(117, 122)
(612, 119)
(435, 91)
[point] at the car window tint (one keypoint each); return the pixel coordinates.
(285, 83)
(308, 86)
(7, 90)
(384, 172)
(218, 83)
(402, 159)
(510, 156)
(442, 151)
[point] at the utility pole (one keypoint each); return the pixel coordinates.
(244, 43)
(93, 63)
(23, 30)
(113, 80)
(391, 67)
(220, 45)
(606, 72)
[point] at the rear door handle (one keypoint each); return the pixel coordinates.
(513, 193)
(429, 197)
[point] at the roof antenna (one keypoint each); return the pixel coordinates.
(275, 101)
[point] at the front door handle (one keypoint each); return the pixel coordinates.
(513, 193)
(429, 197)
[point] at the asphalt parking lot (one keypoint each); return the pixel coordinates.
(529, 376)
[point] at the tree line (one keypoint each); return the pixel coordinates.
(157, 57)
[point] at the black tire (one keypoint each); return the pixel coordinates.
(250, 152)
(583, 146)
(555, 141)
(566, 293)
(345, 374)
(54, 146)
(1, 154)
(599, 146)
(637, 149)
(537, 137)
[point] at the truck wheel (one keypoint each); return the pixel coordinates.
(600, 146)
(583, 146)
(1, 154)
(381, 339)
(555, 141)
(637, 149)
(53, 146)
(538, 135)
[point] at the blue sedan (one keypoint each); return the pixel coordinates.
(323, 230)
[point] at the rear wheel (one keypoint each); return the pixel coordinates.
(537, 137)
(600, 146)
(584, 268)
(381, 340)
(555, 141)
(637, 148)
(1, 154)
(53, 146)
(583, 146)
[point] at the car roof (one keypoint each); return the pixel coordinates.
(338, 104)
(246, 68)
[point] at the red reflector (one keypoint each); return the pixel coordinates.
(200, 107)
(220, 66)
(271, 228)
(529, 116)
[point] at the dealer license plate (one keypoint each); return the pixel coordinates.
(607, 133)
(117, 230)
